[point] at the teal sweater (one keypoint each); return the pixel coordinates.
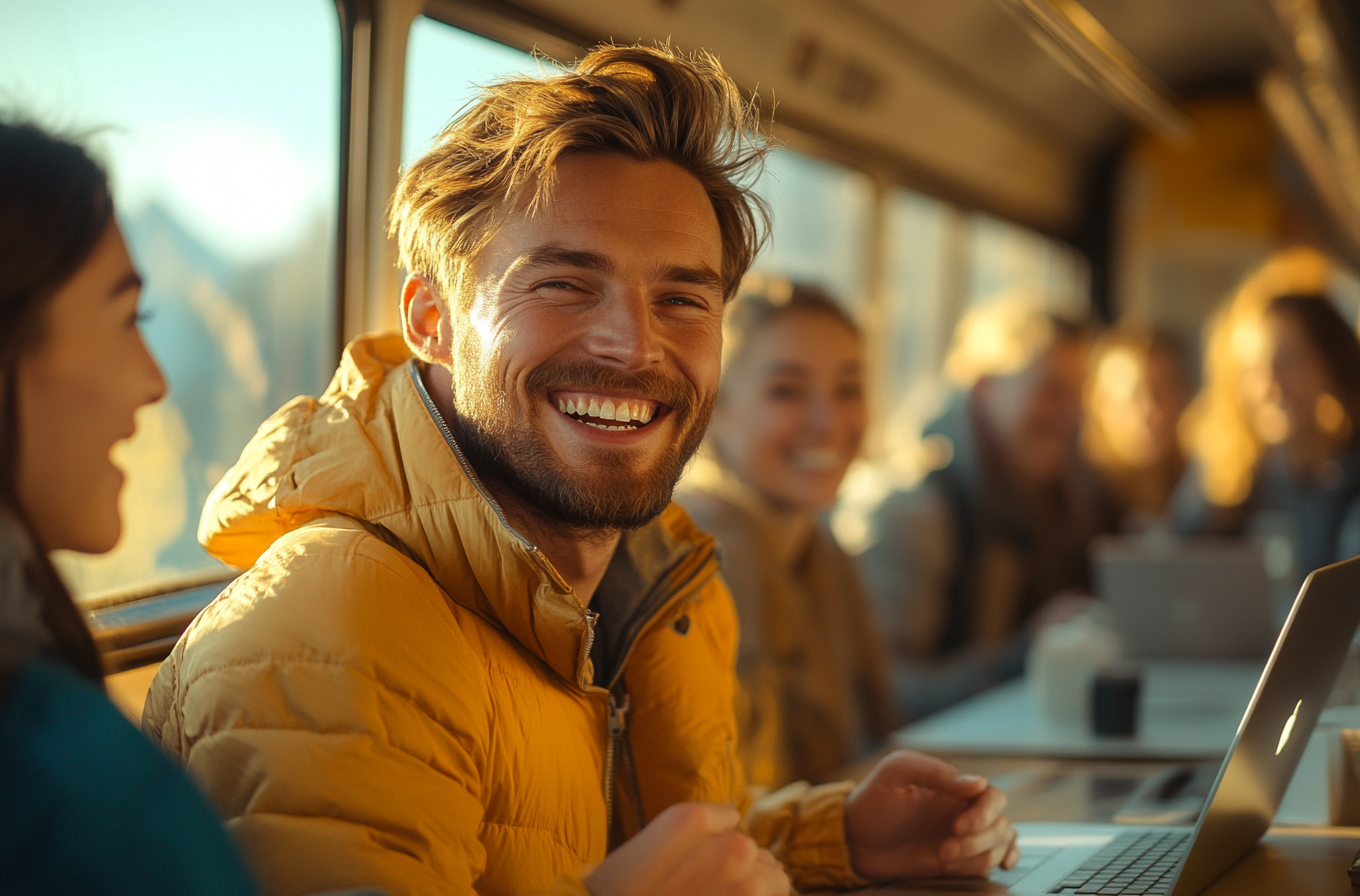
(88, 806)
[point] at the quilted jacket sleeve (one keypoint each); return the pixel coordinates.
(804, 827)
(335, 768)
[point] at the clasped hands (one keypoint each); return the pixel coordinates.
(913, 816)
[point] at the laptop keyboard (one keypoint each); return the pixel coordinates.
(1139, 862)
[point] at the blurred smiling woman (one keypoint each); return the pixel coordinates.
(89, 805)
(789, 420)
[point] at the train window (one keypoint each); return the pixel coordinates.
(922, 285)
(822, 215)
(220, 126)
(444, 68)
(1005, 258)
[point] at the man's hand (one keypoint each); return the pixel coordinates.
(915, 816)
(690, 848)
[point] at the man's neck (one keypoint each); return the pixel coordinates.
(580, 557)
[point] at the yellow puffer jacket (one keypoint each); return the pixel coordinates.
(400, 692)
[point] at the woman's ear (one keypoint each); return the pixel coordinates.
(424, 323)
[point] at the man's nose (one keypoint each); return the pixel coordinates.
(623, 331)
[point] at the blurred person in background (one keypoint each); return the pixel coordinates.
(89, 805)
(1274, 433)
(1135, 395)
(789, 419)
(960, 567)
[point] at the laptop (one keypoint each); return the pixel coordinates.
(1197, 599)
(1181, 861)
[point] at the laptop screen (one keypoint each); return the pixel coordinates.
(1275, 729)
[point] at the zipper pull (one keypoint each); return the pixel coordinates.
(618, 716)
(585, 660)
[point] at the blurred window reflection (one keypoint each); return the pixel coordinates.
(822, 214)
(1007, 258)
(939, 262)
(921, 286)
(220, 127)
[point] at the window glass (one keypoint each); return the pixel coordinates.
(939, 261)
(821, 214)
(219, 123)
(1005, 258)
(444, 69)
(918, 304)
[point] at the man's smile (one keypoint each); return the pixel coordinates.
(611, 412)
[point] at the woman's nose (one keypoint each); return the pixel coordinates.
(155, 386)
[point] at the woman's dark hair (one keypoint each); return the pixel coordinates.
(1333, 339)
(54, 207)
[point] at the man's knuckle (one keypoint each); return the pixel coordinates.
(688, 816)
(737, 850)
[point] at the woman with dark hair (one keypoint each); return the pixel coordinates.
(789, 419)
(89, 805)
(1298, 384)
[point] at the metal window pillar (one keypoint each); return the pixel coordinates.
(373, 74)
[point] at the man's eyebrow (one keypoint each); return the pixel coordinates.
(550, 255)
(698, 276)
(130, 280)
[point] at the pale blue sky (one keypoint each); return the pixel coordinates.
(444, 68)
(226, 112)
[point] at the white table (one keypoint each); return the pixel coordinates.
(1188, 711)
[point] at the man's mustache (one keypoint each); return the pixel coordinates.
(584, 376)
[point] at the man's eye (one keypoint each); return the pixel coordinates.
(557, 284)
(680, 301)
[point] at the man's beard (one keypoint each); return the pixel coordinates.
(513, 456)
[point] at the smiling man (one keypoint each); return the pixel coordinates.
(477, 649)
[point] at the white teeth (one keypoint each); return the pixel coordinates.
(623, 412)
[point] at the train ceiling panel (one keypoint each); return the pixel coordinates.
(954, 96)
(839, 69)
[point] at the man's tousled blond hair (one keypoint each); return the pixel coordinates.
(644, 103)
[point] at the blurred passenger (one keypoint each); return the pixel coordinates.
(1295, 367)
(89, 805)
(789, 420)
(1135, 395)
(959, 565)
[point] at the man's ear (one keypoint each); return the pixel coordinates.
(426, 328)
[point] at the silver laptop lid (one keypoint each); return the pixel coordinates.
(1270, 741)
(1195, 599)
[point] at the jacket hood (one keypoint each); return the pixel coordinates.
(373, 449)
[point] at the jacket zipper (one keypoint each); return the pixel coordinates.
(617, 709)
(617, 745)
(618, 726)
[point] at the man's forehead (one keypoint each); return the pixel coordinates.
(628, 212)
